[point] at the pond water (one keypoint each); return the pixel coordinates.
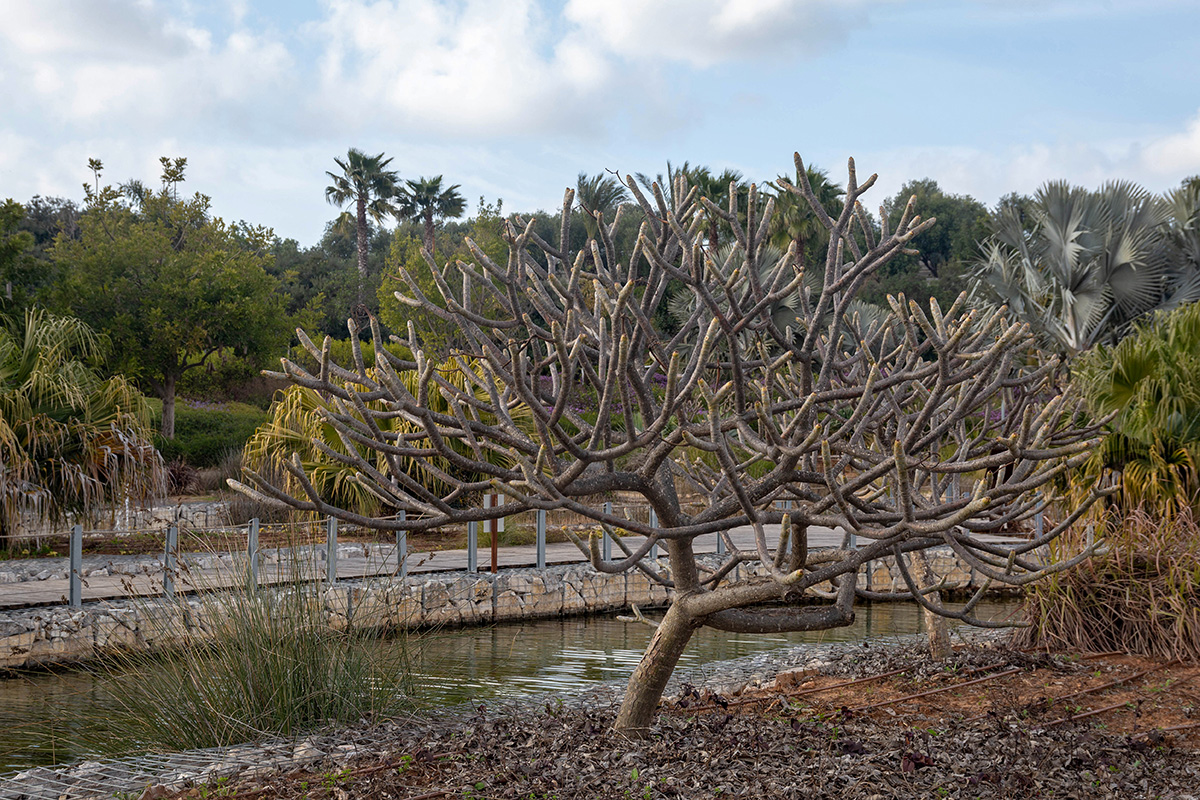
(43, 714)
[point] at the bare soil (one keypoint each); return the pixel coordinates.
(993, 722)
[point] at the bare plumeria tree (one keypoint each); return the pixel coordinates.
(864, 428)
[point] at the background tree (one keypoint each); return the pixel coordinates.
(322, 281)
(862, 427)
(16, 263)
(171, 286)
(941, 257)
(718, 188)
(1080, 266)
(795, 220)
(436, 331)
(70, 440)
(675, 192)
(366, 182)
(598, 194)
(426, 202)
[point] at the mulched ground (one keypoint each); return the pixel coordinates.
(1010, 724)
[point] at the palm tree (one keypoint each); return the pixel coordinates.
(1080, 267)
(299, 425)
(794, 218)
(716, 188)
(70, 441)
(366, 182)
(598, 194)
(426, 200)
(1150, 381)
(670, 183)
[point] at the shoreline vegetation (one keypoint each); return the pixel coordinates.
(861, 721)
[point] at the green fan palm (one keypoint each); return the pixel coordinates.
(299, 425)
(1150, 381)
(366, 182)
(426, 201)
(70, 441)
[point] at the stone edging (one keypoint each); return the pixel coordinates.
(58, 634)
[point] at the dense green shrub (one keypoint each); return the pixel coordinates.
(230, 379)
(206, 432)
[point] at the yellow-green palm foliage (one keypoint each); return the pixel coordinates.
(70, 441)
(299, 425)
(1151, 381)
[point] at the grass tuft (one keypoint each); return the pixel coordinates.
(274, 666)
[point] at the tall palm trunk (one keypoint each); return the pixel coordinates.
(362, 246)
(429, 231)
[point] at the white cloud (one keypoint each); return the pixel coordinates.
(130, 64)
(471, 68)
(1178, 153)
(706, 32)
(1158, 162)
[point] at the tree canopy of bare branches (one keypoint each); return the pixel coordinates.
(772, 390)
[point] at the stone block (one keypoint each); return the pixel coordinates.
(544, 601)
(509, 606)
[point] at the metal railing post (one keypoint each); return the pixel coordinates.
(252, 554)
(493, 526)
(169, 560)
(720, 544)
(541, 538)
(472, 546)
(331, 550)
(402, 548)
(791, 542)
(654, 524)
(606, 543)
(76, 584)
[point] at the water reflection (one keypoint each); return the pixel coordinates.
(564, 655)
(42, 715)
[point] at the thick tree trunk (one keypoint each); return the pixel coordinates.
(646, 684)
(936, 625)
(168, 401)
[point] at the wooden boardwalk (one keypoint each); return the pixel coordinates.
(381, 562)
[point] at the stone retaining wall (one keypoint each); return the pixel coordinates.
(58, 634)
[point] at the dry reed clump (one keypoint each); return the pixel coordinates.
(274, 665)
(1140, 595)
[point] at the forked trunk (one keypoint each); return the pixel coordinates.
(646, 684)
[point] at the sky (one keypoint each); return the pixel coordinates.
(511, 99)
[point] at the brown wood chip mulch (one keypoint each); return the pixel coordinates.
(1026, 726)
